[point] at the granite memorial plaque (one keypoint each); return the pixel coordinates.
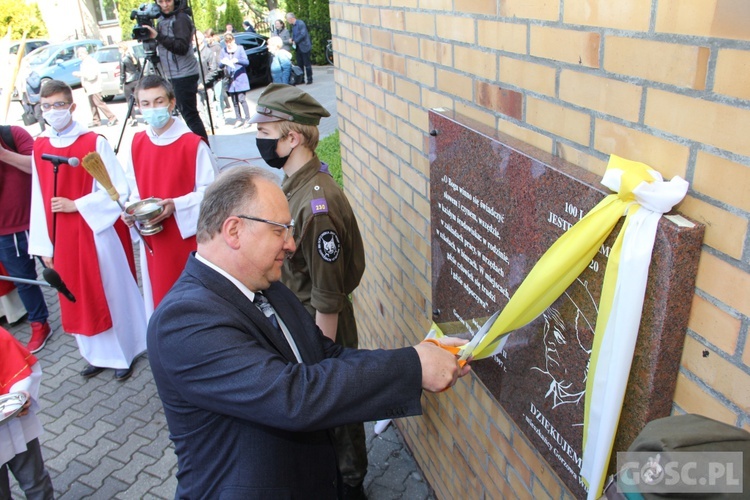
(496, 206)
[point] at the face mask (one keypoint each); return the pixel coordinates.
(57, 118)
(267, 149)
(156, 117)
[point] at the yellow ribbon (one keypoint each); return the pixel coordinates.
(566, 259)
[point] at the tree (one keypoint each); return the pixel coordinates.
(231, 15)
(204, 14)
(124, 8)
(21, 17)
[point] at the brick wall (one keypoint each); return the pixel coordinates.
(665, 82)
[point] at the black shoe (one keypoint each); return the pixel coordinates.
(309, 82)
(123, 374)
(90, 371)
(353, 492)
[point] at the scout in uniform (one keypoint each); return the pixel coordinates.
(329, 260)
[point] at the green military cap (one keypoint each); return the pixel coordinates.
(280, 102)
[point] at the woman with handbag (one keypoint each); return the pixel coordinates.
(234, 61)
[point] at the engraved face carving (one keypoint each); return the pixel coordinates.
(567, 329)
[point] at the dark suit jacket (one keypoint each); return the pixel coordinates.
(247, 420)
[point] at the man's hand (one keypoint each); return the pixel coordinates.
(440, 368)
(63, 205)
(25, 409)
(129, 220)
(48, 262)
(151, 31)
(168, 205)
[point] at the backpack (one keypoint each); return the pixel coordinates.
(683, 433)
(296, 75)
(7, 136)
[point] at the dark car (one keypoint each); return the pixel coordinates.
(256, 48)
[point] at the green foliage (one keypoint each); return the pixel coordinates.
(124, 8)
(329, 151)
(205, 14)
(21, 17)
(231, 15)
(318, 19)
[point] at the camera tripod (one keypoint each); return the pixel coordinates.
(150, 57)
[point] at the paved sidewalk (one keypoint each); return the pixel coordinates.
(106, 439)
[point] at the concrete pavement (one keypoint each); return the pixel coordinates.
(106, 439)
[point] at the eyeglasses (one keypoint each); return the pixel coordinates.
(57, 105)
(289, 227)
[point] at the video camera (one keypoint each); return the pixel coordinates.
(144, 15)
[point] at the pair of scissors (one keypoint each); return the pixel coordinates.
(455, 350)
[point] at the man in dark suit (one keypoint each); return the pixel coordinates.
(249, 384)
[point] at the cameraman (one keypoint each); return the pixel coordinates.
(174, 34)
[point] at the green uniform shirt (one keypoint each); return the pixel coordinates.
(330, 258)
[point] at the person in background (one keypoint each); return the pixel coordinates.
(20, 451)
(248, 27)
(169, 162)
(229, 29)
(209, 75)
(281, 64)
(279, 30)
(15, 214)
(174, 34)
(250, 386)
(302, 44)
(33, 89)
(76, 229)
(216, 91)
(130, 72)
(234, 61)
(91, 82)
(329, 259)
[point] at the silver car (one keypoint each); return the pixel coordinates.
(109, 64)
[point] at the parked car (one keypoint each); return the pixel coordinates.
(28, 46)
(59, 61)
(109, 61)
(256, 48)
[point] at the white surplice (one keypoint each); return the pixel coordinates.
(16, 432)
(118, 346)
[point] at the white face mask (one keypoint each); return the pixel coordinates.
(57, 118)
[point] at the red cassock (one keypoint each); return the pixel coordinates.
(15, 361)
(159, 179)
(75, 251)
(5, 286)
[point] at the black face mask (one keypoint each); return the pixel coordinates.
(267, 149)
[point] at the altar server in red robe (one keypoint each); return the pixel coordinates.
(169, 162)
(20, 451)
(76, 228)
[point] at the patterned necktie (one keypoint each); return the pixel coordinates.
(261, 301)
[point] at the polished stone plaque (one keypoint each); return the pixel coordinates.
(496, 206)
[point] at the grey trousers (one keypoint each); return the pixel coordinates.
(28, 469)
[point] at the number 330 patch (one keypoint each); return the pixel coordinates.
(329, 246)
